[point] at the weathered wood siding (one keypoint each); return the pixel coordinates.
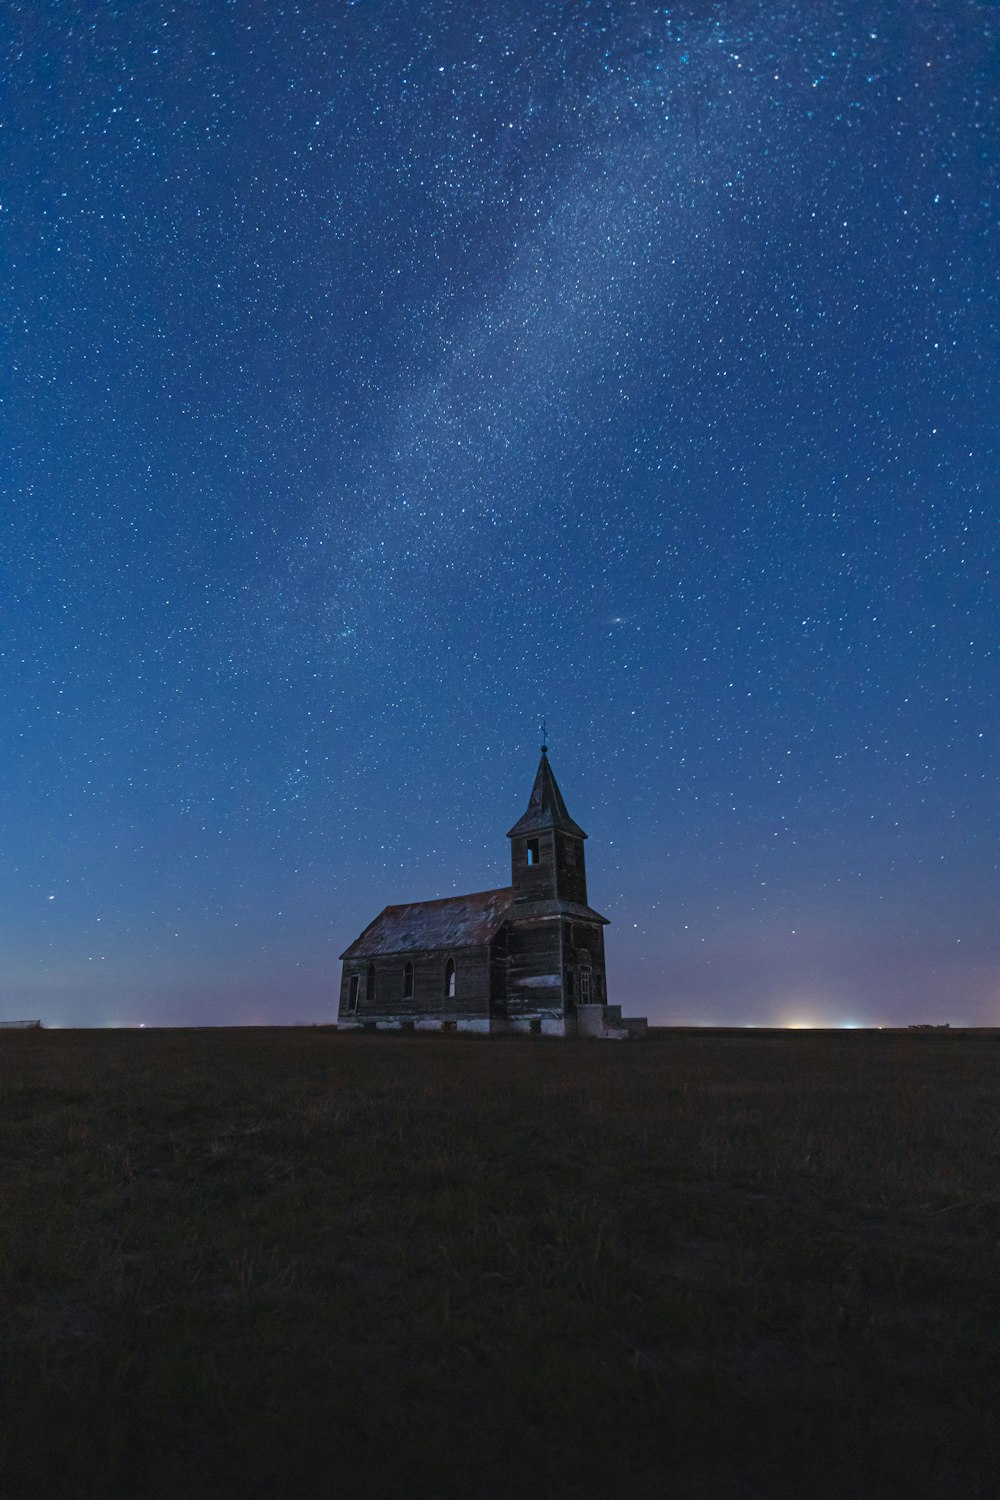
(571, 869)
(429, 998)
(560, 873)
(533, 882)
(534, 966)
(583, 946)
(498, 974)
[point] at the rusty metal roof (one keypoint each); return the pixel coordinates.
(454, 922)
(546, 808)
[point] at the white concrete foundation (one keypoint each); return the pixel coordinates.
(600, 1021)
(473, 1025)
(606, 1022)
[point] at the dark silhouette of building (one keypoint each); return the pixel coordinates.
(527, 957)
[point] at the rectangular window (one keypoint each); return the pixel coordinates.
(532, 851)
(585, 986)
(569, 984)
(352, 993)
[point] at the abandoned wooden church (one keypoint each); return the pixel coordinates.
(528, 957)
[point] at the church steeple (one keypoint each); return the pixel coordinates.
(547, 861)
(546, 808)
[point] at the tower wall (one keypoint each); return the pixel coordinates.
(571, 869)
(534, 967)
(559, 873)
(583, 949)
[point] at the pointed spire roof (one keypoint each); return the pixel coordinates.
(546, 808)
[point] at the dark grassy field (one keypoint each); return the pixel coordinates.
(287, 1263)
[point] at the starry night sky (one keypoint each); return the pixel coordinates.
(380, 377)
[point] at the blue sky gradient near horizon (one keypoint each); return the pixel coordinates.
(381, 377)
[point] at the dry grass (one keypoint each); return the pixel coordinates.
(270, 1263)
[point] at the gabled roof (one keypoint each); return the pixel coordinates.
(546, 808)
(455, 922)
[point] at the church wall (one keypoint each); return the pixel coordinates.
(498, 975)
(472, 986)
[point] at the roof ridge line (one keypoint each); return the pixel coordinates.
(493, 890)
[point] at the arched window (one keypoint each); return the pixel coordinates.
(370, 984)
(407, 980)
(449, 979)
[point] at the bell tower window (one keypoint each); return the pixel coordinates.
(532, 851)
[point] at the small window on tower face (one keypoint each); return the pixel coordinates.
(532, 851)
(571, 853)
